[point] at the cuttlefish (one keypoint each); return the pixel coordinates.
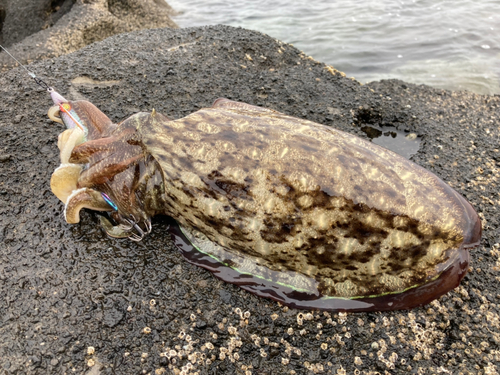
(286, 208)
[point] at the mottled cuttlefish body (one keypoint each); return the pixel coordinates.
(286, 208)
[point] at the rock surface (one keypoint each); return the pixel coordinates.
(40, 29)
(75, 301)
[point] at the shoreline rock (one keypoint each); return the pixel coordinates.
(69, 288)
(36, 30)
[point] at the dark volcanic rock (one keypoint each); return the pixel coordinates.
(22, 18)
(40, 29)
(66, 288)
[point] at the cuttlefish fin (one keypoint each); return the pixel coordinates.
(231, 104)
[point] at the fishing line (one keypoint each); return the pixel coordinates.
(43, 85)
(39, 81)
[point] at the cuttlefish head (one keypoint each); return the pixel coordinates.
(81, 181)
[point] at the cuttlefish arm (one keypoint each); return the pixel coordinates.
(94, 200)
(64, 179)
(83, 198)
(86, 133)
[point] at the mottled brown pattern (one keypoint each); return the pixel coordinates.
(303, 204)
(298, 196)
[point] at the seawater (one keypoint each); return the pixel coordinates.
(447, 44)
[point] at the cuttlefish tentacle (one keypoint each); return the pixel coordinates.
(80, 114)
(55, 115)
(82, 153)
(64, 179)
(97, 123)
(115, 231)
(83, 198)
(67, 141)
(86, 136)
(98, 174)
(106, 146)
(131, 230)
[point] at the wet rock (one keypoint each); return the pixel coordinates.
(22, 18)
(112, 317)
(39, 29)
(35, 361)
(225, 296)
(201, 324)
